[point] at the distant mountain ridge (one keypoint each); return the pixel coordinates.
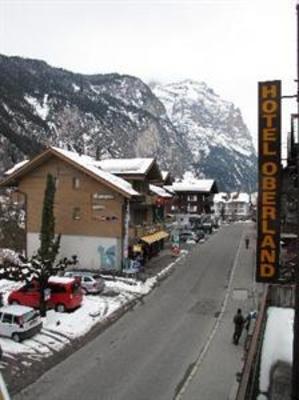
(112, 115)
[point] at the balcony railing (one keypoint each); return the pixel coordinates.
(274, 295)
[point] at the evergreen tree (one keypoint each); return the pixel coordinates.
(42, 265)
(49, 245)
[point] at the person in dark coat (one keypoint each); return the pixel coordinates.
(239, 321)
(247, 242)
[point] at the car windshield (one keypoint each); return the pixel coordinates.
(30, 315)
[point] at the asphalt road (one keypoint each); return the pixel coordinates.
(147, 354)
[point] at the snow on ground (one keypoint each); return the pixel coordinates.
(277, 343)
(59, 329)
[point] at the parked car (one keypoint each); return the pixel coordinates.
(65, 294)
(187, 236)
(200, 233)
(19, 322)
(90, 282)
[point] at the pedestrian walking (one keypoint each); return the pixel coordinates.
(247, 322)
(239, 321)
(247, 242)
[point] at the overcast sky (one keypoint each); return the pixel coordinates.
(229, 44)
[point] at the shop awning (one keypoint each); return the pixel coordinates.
(154, 237)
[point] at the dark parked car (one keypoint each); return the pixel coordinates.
(200, 233)
(188, 235)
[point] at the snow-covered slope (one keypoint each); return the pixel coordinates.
(219, 141)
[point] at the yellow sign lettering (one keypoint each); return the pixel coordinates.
(269, 106)
(267, 151)
(268, 256)
(269, 91)
(269, 134)
(269, 168)
(268, 241)
(269, 183)
(269, 213)
(267, 270)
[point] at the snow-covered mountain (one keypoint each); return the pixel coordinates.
(116, 115)
(217, 137)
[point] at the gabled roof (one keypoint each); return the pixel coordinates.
(167, 178)
(15, 167)
(159, 191)
(196, 185)
(132, 167)
(82, 162)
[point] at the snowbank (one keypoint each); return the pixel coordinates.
(277, 343)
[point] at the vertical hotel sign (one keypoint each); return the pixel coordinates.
(268, 241)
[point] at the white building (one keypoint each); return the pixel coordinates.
(232, 206)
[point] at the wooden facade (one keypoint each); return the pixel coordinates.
(76, 199)
(98, 215)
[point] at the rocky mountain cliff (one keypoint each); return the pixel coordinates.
(217, 137)
(116, 115)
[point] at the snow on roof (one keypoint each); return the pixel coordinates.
(160, 191)
(169, 188)
(277, 343)
(164, 174)
(15, 167)
(16, 309)
(194, 185)
(126, 165)
(220, 197)
(61, 279)
(92, 165)
(239, 197)
(231, 197)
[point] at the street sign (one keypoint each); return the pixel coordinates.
(268, 241)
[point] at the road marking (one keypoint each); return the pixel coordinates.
(199, 360)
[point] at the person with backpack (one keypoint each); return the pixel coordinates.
(239, 321)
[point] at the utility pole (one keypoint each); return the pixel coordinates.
(295, 368)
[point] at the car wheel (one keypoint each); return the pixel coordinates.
(16, 337)
(60, 308)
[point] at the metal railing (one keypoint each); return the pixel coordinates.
(248, 383)
(274, 295)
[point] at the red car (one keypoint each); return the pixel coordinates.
(65, 294)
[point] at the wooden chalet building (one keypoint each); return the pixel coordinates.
(146, 231)
(98, 213)
(194, 196)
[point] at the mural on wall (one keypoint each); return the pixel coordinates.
(108, 256)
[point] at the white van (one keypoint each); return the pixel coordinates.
(19, 322)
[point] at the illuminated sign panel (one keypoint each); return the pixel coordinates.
(268, 241)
